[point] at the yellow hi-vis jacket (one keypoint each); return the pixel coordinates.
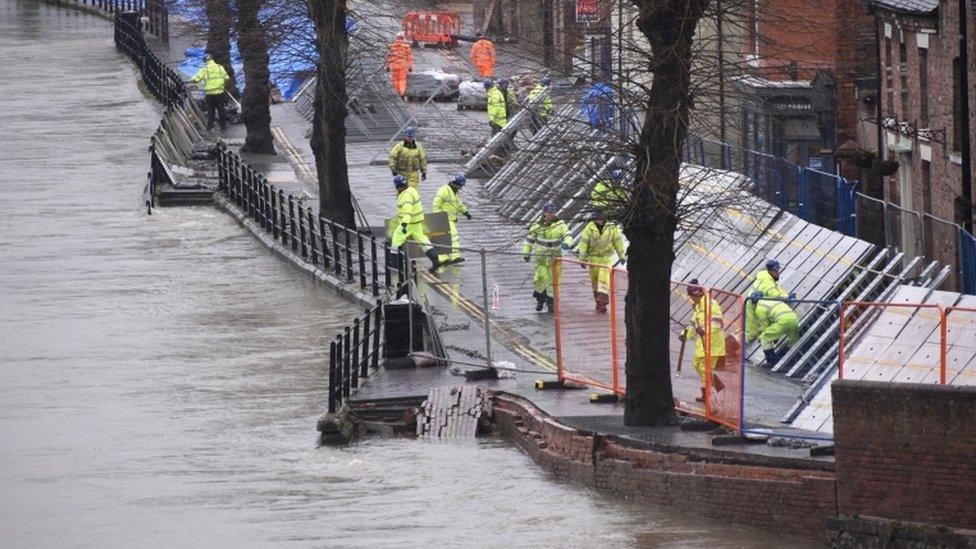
(214, 78)
(449, 201)
(768, 285)
(547, 239)
(598, 245)
(404, 159)
(606, 195)
(544, 108)
(409, 208)
(497, 112)
(699, 325)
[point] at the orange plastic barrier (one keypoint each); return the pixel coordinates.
(591, 345)
(439, 28)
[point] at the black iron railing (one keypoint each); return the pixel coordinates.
(163, 82)
(153, 15)
(354, 256)
(354, 355)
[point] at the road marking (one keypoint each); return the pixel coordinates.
(294, 156)
(508, 338)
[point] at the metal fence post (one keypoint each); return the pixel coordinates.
(291, 223)
(325, 244)
(484, 304)
(354, 372)
(375, 267)
(332, 377)
(367, 337)
(349, 273)
(311, 236)
(362, 260)
(410, 267)
(346, 378)
(377, 326)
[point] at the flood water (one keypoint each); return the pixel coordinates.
(161, 376)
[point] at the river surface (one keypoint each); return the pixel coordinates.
(161, 375)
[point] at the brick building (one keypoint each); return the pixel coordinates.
(920, 105)
(788, 85)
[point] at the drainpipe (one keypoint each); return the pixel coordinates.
(967, 152)
(878, 90)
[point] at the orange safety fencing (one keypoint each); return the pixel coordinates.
(432, 27)
(909, 343)
(706, 374)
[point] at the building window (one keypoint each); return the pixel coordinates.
(956, 106)
(923, 83)
(903, 78)
(889, 80)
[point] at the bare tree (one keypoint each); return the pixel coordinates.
(255, 107)
(329, 122)
(669, 27)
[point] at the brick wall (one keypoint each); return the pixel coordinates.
(855, 59)
(783, 499)
(906, 451)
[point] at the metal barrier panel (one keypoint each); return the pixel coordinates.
(960, 345)
(904, 343)
(724, 372)
(770, 400)
(618, 294)
(585, 339)
(967, 261)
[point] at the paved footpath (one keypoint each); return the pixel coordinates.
(454, 296)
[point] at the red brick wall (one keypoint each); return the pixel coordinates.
(906, 451)
(803, 31)
(855, 58)
(783, 499)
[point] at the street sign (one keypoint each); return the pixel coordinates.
(587, 11)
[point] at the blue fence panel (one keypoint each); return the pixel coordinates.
(967, 261)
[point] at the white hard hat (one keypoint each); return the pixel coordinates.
(400, 35)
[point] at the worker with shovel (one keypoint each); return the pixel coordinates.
(716, 334)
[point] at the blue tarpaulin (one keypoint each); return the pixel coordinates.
(291, 61)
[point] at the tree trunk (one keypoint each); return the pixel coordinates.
(219, 23)
(329, 123)
(669, 26)
(255, 108)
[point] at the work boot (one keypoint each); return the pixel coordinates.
(702, 397)
(540, 300)
(602, 301)
(549, 304)
(435, 263)
(771, 357)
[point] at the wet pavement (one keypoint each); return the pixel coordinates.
(161, 374)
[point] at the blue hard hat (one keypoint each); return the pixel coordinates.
(399, 181)
(617, 175)
(772, 265)
(503, 82)
(755, 296)
(488, 83)
(410, 131)
(545, 81)
(459, 180)
(549, 207)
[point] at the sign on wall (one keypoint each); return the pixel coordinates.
(587, 11)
